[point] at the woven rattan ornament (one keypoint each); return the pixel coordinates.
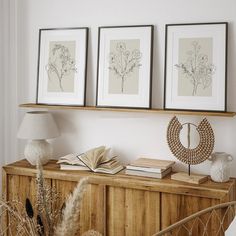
(190, 156)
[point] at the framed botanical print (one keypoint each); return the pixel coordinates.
(125, 66)
(196, 66)
(62, 66)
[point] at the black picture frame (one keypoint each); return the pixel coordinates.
(216, 32)
(142, 32)
(76, 41)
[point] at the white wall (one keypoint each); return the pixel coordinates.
(8, 83)
(130, 134)
(10, 101)
(1, 84)
(8, 91)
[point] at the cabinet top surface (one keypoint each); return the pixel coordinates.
(52, 170)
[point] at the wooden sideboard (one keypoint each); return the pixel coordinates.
(120, 205)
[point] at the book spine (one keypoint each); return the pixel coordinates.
(85, 163)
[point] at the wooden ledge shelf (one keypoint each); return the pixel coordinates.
(158, 111)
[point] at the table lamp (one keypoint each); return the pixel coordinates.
(37, 126)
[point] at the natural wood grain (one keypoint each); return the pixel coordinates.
(120, 204)
(152, 212)
(96, 198)
(176, 207)
(116, 209)
(139, 214)
(203, 227)
(193, 179)
(92, 215)
(158, 111)
(132, 212)
(21, 187)
(4, 220)
(52, 170)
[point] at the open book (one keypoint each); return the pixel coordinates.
(71, 162)
(96, 159)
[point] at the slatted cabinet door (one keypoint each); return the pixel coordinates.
(132, 212)
(177, 206)
(19, 188)
(92, 214)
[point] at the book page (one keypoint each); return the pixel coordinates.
(94, 157)
(70, 159)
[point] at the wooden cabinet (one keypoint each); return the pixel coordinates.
(120, 205)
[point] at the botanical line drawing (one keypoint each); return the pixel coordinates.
(123, 62)
(60, 63)
(197, 68)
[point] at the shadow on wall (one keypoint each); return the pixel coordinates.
(62, 145)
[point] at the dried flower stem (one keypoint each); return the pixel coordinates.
(23, 221)
(69, 223)
(42, 201)
(16, 214)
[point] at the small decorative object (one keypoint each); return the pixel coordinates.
(220, 169)
(190, 156)
(43, 219)
(62, 66)
(36, 127)
(125, 66)
(195, 66)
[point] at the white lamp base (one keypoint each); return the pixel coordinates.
(38, 150)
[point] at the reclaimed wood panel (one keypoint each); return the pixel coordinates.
(209, 189)
(176, 207)
(92, 214)
(121, 205)
(116, 221)
(19, 188)
(132, 212)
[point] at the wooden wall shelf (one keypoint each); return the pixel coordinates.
(158, 111)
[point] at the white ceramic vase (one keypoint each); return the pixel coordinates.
(220, 168)
(38, 150)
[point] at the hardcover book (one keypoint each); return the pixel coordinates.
(149, 174)
(152, 163)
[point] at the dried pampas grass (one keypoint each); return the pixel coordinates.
(69, 224)
(45, 221)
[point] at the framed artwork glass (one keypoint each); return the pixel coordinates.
(62, 63)
(124, 69)
(196, 66)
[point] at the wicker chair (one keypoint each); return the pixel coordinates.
(212, 221)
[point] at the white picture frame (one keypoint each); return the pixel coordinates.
(124, 69)
(62, 66)
(196, 67)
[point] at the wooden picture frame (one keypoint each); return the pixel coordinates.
(62, 66)
(196, 66)
(124, 68)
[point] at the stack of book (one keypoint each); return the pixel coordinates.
(148, 167)
(96, 160)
